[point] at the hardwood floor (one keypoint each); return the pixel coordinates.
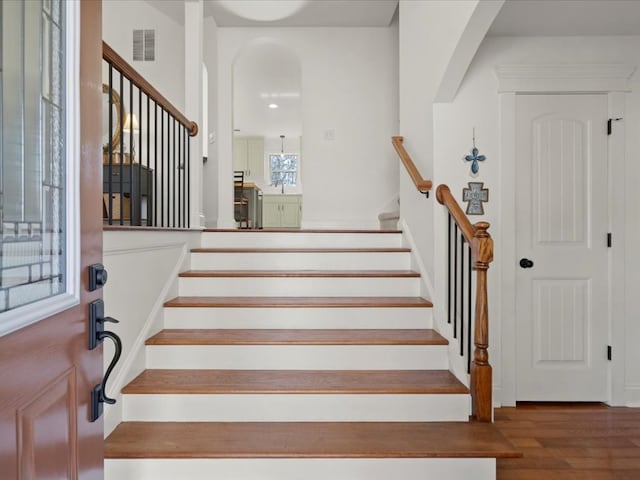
(570, 442)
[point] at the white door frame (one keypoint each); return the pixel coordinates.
(548, 79)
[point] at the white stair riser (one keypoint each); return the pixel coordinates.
(302, 468)
(299, 357)
(301, 261)
(299, 240)
(299, 287)
(277, 317)
(296, 408)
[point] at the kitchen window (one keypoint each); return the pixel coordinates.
(283, 169)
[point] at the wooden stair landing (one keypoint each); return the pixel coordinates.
(296, 337)
(301, 250)
(299, 230)
(295, 382)
(302, 273)
(307, 440)
(300, 302)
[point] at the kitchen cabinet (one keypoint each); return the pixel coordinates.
(281, 211)
(248, 157)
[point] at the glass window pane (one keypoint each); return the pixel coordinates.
(32, 152)
(283, 169)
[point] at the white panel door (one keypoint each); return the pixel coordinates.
(562, 287)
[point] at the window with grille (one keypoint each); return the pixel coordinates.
(283, 168)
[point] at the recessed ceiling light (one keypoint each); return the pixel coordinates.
(273, 105)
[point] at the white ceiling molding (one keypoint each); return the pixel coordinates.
(564, 78)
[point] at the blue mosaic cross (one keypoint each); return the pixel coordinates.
(474, 158)
(475, 195)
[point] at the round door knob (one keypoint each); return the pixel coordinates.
(526, 263)
(101, 278)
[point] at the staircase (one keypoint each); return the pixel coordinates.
(305, 354)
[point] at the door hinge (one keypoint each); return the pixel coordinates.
(609, 352)
(609, 124)
(609, 240)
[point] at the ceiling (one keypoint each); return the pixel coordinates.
(301, 13)
(269, 75)
(517, 17)
(567, 17)
(288, 13)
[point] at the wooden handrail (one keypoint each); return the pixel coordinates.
(444, 197)
(421, 184)
(110, 55)
(482, 254)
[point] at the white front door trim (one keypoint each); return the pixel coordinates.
(564, 78)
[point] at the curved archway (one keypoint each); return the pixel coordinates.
(267, 73)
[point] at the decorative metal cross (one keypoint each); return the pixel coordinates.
(474, 158)
(475, 195)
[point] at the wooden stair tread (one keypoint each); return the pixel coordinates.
(307, 440)
(307, 230)
(300, 302)
(302, 273)
(163, 381)
(296, 337)
(301, 250)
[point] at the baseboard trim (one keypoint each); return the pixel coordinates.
(632, 396)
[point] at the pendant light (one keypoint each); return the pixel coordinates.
(282, 147)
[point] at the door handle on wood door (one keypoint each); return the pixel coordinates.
(526, 263)
(97, 334)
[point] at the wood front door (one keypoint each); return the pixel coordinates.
(47, 371)
(562, 217)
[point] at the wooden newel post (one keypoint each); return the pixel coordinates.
(481, 375)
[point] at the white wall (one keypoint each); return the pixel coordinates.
(121, 17)
(352, 91)
(429, 34)
(142, 268)
(210, 168)
(431, 37)
(477, 104)
(194, 108)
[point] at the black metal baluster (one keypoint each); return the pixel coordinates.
(188, 183)
(174, 171)
(462, 295)
(470, 310)
(449, 289)
(164, 170)
(140, 150)
(155, 163)
(179, 176)
(455, 281)
(184, 174)
(133, 195)
(121, 169)
(148, 165)
(110, 147)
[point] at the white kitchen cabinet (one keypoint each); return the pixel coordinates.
(248, 156)
(281, 211)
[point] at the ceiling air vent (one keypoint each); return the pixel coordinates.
(144, 45)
